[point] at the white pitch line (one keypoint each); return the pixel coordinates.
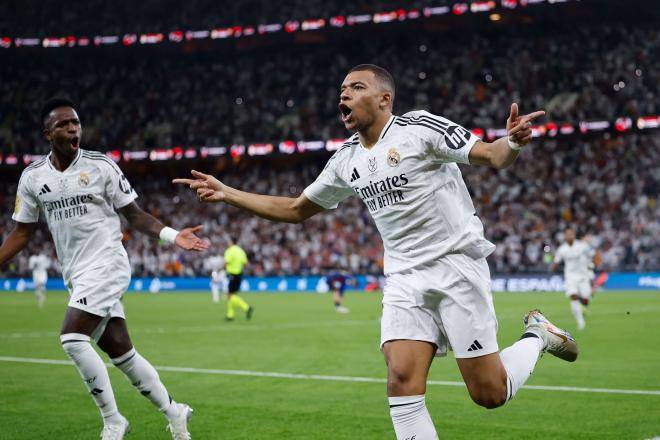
(207, 328)
(332, 378)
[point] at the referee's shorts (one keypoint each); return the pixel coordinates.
(234, 282)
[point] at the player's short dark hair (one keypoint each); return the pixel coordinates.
(53, 103)
(380, 74)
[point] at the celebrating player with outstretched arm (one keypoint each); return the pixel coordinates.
(437, 294)
(79, 192)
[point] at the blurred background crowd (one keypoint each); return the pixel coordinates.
(605, 188)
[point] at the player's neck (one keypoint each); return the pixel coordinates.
(370, 135)
(59, 161)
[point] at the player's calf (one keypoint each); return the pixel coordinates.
(486, 379)
(489, 393)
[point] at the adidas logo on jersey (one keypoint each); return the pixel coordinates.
(475, 346)
(82, 301)
(44, 190)
(355, 176)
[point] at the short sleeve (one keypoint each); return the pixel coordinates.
(328, 189)
(558, 256)
(26, 207)
(445, 140)
(118, 189)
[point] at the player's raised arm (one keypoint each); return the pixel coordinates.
(148, 224)
(504, 151)
(17, 239)
(279, 209)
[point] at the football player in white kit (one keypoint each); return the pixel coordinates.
(39, 265)
(218, 277)
(577, 257)
(437, 294)
(80, 193)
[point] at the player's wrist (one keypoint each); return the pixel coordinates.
(168, 234)
(513, 145)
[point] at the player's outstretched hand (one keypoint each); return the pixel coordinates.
(208, 188)
(519, 128)
(186, 239)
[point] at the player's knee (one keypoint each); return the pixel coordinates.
(401, 382)
(489, 395)
(74, 344)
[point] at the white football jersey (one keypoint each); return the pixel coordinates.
(412, 187)
(576, 258)
(39, 263)
(79, 206)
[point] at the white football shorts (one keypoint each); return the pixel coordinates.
(447, 302)
(580, 286)
(99, 291)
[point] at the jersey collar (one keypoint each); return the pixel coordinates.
(386, 128)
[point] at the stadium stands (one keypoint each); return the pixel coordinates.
(132, 100)
(607, 187)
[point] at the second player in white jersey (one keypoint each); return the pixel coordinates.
(412, 187)
(79, 206)
(79, 193)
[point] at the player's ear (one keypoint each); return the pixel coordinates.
(386, 99)
(46, 132)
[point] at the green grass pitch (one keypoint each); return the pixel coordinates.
(301, 334)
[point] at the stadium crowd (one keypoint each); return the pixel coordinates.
(605, 187)
(34, 18)
(136, 100)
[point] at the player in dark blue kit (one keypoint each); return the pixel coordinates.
(337, 282)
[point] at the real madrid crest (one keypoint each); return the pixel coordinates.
(372, 164)
(83, 179)
(393, 158)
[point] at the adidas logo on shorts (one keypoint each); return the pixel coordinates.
(82, 301)
(475, 346)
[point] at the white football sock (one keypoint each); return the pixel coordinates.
(145, 378)
(411, 419)
(576, 308)
(41, 296)
(93, 372)
(519, 361)
(215, 293)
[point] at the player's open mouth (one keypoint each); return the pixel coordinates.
(75, 142)
(346, 112)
